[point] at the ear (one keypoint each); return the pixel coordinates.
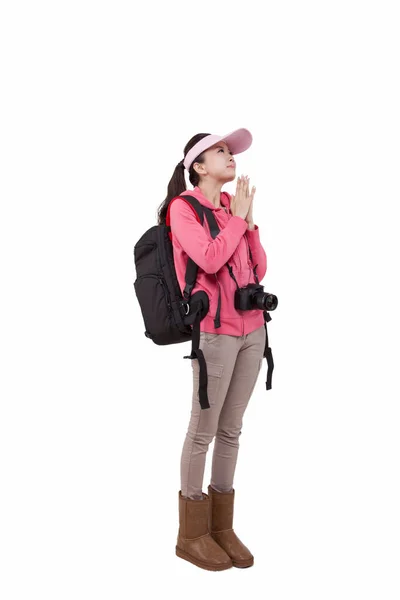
(200, 170)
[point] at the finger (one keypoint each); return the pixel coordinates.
(239, 187)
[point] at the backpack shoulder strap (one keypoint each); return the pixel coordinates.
(191, 267)
(190, 280)
(198, 307)
(194, 204)
(212, 223)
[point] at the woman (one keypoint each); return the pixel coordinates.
(233, 341)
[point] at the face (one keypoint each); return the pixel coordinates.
(219, 163)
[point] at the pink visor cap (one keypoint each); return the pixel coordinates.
(238, 141)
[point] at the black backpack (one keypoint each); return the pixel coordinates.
(171, 317)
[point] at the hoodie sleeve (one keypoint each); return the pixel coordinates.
(257, 251)
(208, 255)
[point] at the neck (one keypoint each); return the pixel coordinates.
(212, 191)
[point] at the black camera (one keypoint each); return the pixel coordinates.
(253, 296)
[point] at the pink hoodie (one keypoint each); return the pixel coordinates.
(190, 238)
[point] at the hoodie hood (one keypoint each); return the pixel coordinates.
(225, 198)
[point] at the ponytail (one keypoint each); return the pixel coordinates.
(177, 183)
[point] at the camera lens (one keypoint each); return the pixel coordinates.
(265, 301)
(270, 302)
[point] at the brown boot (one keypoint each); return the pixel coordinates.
(194, 542)
(220, 526)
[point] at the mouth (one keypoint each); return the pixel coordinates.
(231, 166)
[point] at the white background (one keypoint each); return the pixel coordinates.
(98, 101)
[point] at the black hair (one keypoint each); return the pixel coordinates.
(177, 183)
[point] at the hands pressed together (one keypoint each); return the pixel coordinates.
(242, 201)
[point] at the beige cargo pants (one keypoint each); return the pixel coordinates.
(233, 366)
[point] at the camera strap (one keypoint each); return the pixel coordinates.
(232, 275)
(254, 267)
(267, 350)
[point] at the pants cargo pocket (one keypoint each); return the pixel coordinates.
(257, 374)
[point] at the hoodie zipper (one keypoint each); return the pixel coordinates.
(240, 265)
(248, 253)
(219, 286)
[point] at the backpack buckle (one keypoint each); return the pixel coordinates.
(186, 306)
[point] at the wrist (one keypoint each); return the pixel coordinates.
(250, 225)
